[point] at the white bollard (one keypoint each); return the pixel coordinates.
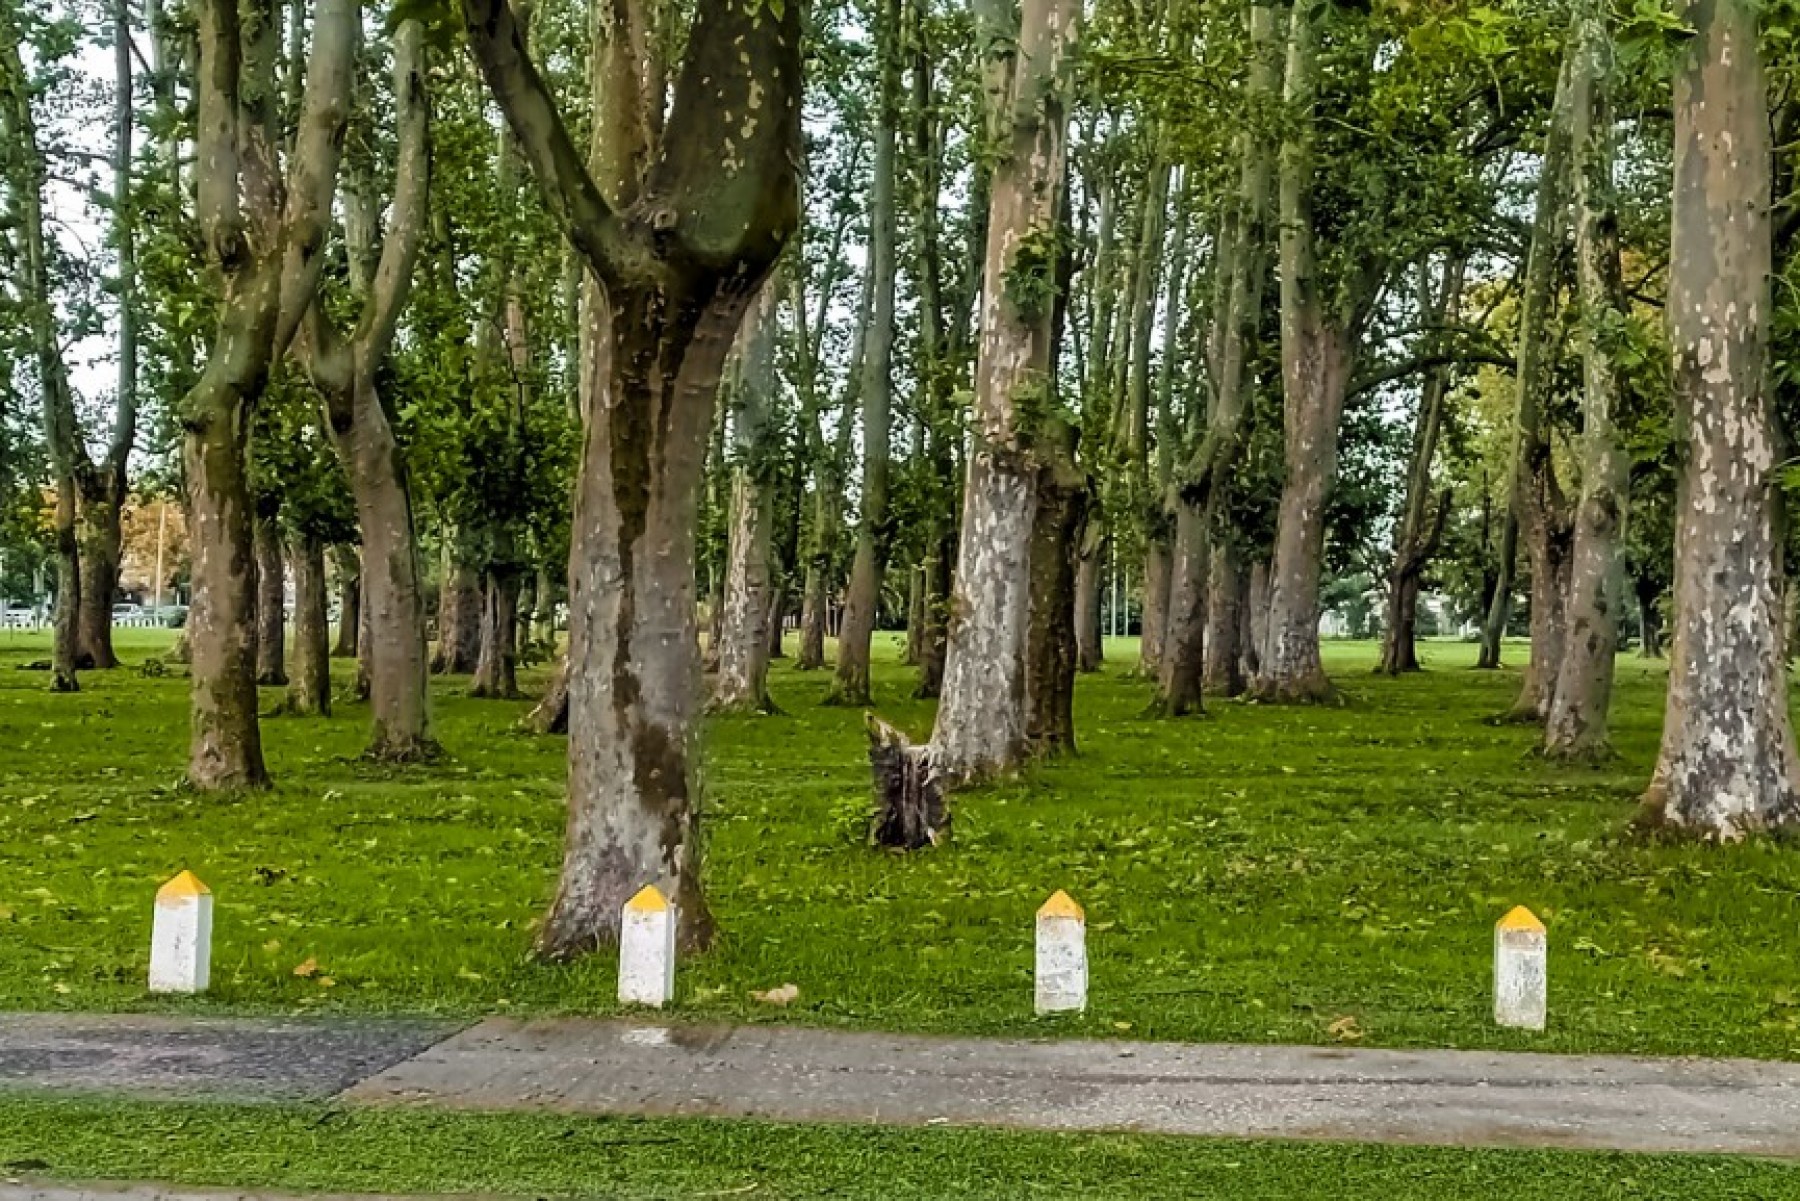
(1521, 971)
(1061, 955)
(647, 949)
(181, 936)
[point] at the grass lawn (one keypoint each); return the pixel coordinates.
(1258, 874)
(247, 1147)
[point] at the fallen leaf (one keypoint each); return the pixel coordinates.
(786, 995)
(327, 982)
(466, 974)
(1345, 1029)
(308, 969)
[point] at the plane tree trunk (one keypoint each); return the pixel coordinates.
(1019, 443)
(309, 683)
(345, 368)
(874, 535)
(742, 684)
(676, 251)
(263, 234)
(1576, 725)
(1727, 765)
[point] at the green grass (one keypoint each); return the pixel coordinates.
(1254, 875)
(535, 1155)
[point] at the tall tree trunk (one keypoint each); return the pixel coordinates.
(1421, 528)
(1018, 444)
(309, 684)
(271, 601)
(1051, 654)
(1576, 726)
(1727, 764)
(1531, 448)
(742, 684)
(1650, 643)
(1317, 344)
(874, 536)
(675, 251)
(99, 537)
(1225, 621)
(349, 574)
(1203, 487)
(28, 175)
(460, 605)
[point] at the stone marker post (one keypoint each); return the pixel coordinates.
(647, 949)
(1521, 974)
(181, 936)
(1061, 955)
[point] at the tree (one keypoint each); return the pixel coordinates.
(1018, 429)
(678, 220)
(346, 368)
(1575, 725)
(26, 177)
(874, 535)
(263, 230)
(1727, 765)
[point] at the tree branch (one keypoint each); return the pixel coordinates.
(412, 178)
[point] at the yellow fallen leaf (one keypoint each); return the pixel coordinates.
(308, 969)
(787, 994)
(1345, 1029)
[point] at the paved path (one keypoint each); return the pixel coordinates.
(1467, 1098)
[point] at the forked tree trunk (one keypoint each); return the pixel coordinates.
(742, 684)
(1576, 726)
(676, 250)
(1224, 673)
(1727, 765)
(271, 602)
(309, 683)
(349, 574)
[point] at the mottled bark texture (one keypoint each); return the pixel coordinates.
(1258, 621)
(496, 672)
(677, 230)
(309, 677)
(346, 368)
(551, 714)
(742, 683)
(271, 600)
(263, 233)
(1727, 765)
(1090, 578)
(874, 534)
(1530, 445)
(1021, 458)
(1576, 726)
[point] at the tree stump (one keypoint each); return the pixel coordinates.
(910, 809)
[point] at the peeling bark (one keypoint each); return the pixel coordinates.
(1576, 726)
(1727, 765)
(679, 228)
